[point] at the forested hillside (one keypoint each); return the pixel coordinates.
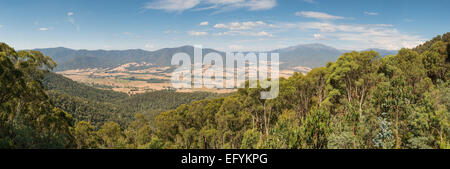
(59, 83)
(98, 106)
(362, 100)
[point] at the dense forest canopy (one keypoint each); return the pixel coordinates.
(361, 101)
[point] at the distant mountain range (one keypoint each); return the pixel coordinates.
(308, 55)
(68, 59)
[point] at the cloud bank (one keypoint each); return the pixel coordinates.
(182, 5)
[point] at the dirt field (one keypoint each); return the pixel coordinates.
(133, 78)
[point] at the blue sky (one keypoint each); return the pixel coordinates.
(229, 25)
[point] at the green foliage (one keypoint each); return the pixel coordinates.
(435, 62)
(111, 136)
(97, 113)
(427, 45)
(250, 139)
(27, 119)
(139, 132)
(287, 132)
(315, 129)
(61, 84)
(85, 135)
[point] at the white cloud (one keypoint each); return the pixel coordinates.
(204, 23)
(252, 5)
(194, 33)
(242, 33)
(1, 26)
(385, 39)
(182, 5)
(241, 25)
(262, 33)
(172, 5)
(44, 29)
(260, 4)
(322, 26)
(223, 26)
(318, 15)
(249, 28)
(330, 27)
(371, 13)
(70, 13)
(364, 36)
